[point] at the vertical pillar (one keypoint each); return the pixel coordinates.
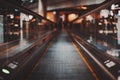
(66, 20)
(1, 29)
(42, 7)
(24, 24)
(118, 34)
(83, 25)
(56, 16)
(27, 29)
(57, 19)
(6, 30)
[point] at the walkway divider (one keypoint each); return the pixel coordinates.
(79, 42)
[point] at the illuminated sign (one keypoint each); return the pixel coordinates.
(5, 71)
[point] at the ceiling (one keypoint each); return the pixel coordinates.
(72, 6)
(58, 4)
(79, 7)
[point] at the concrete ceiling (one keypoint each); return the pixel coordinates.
(58, 4)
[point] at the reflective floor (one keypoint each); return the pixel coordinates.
(61, 62)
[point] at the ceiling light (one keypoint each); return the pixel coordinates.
(83, 7)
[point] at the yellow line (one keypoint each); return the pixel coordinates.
(86, 62)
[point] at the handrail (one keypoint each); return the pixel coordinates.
(24, 9)
(102, 6)
(105, 69)
(4, 46)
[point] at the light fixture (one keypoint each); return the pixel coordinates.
(113, 6)
(54, 12)
(119, 13)
(16, 9)
(111, 13)
(30, 17)
(83, 7)
(89, 17)
(11, 16)
(31, 1)
(104, 13)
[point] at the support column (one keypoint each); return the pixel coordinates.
(40, 8)
(118, 26)
(44, 5)
(27, 29)
(66, 21)
(57, 19)
(1, 29)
